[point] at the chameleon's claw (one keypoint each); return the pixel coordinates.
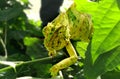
(54, 71)
(52, 53)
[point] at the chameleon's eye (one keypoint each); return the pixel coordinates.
(59, 32)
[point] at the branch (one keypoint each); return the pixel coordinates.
(46, 60)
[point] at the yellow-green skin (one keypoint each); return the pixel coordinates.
(71, 24)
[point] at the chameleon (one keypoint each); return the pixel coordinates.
(69, 25)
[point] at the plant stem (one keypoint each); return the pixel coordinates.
(5, 32)
(4, 46)
(5, 38)
(46, 60)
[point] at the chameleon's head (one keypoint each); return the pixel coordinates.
(56, 33)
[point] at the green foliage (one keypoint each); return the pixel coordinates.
(21, 43)
(103, 51)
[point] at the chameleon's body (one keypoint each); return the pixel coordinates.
(71, 24)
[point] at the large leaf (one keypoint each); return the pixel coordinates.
(103, 52)
(105, 15)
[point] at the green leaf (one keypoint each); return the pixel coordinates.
(25, 1)
(35, 48)
(85, 6)
(105, 62)
(10, 13)
(106, 25)
(17, 34)
(81, 48)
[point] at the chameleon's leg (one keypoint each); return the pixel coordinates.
(66, 62)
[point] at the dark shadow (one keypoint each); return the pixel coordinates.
(49, 10)
(118, 3)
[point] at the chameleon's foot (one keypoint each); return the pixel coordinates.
(52, 53)
(54, 70)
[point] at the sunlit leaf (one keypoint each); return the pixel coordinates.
(81, 48)
(103, 51)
